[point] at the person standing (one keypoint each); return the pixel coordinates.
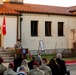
(18, 49)
(39, 58)
(17, 62)
(18, 45)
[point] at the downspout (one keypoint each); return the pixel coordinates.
(21, 28)
(17, 29)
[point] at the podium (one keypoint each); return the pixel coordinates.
(18, 51)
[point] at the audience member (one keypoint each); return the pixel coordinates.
(22, 70)
(39, 58)
(61, 63)
(55, 68)
(36, 70)
(10, 71)
(43, 67)
(25, 64)
(30, 64)
(2, 67)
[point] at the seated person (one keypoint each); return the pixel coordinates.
(2, 67)
(22, 70)
(10, 71)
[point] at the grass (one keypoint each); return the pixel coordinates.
(50, 56)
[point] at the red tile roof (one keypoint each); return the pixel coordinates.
(7, 11)
(14, 8)
(72, 8)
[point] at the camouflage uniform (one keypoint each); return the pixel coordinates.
(36, 72)
(2, 69)
(45, 69)
(9, 71)
(16, 47)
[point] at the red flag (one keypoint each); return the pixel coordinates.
(4, 27)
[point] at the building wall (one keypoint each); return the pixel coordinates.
(52, 42)
(11, 31)
(1, 2)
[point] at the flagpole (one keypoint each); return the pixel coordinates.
(3, 30)
(2, 41)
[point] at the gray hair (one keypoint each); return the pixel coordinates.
(22, 68)
(59, 55)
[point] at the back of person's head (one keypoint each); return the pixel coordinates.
(59, 55)
(44, 60)
(24, 62)
(52, 63)
(35, 65)
(22, 70)
(11, 65)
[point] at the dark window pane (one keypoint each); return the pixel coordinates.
(34, 28)
(60, 28)
(47, 28)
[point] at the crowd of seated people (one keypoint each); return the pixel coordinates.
(20, 66)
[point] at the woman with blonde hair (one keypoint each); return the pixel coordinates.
(24, 63)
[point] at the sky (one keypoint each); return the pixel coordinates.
(63, 3)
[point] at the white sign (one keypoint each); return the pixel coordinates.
(41, 46)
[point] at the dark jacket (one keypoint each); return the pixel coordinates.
(62, 65)
(30, 64)
(17, 63)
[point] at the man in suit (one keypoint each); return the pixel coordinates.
(62, 64)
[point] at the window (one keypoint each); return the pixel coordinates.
(34, 28)
(60, 28)
(47, 28)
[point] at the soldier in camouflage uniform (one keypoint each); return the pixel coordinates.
(10, 71)
(44, 68)
(36, 70)
(17, 47)
(2, 67)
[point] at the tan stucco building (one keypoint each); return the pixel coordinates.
(55, 26)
